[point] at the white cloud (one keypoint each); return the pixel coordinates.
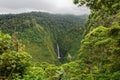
(54, 6)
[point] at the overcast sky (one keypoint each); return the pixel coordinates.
(52, 6)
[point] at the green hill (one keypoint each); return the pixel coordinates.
(54, 38)
(42, 32)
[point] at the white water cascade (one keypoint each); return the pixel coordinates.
(58, 52)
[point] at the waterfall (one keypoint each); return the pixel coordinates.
(58, 52)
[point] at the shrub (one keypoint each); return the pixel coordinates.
(12, 62)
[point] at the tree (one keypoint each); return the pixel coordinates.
(103, 12)
(101, 48)
(96, 5)
(12, 61)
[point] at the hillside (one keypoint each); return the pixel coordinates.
(87, 52)
(42, 32)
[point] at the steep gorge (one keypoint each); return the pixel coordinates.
(47, 37)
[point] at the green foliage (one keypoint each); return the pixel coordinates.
(103, 13)
(41, 32)
(12, 63)
(98, 60)
(33, 73)
(99, 57)
(5, 43)
(41, 43)
(110, 6)
(101, 48)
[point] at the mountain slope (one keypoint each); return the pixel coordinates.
(41, 32)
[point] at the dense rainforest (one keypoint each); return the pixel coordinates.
(43, 46)
(41, 33)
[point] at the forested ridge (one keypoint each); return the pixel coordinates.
(96, 57)
(43, 31)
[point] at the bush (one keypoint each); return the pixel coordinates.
(12, 62)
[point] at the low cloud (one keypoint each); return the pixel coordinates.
(53, 6)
